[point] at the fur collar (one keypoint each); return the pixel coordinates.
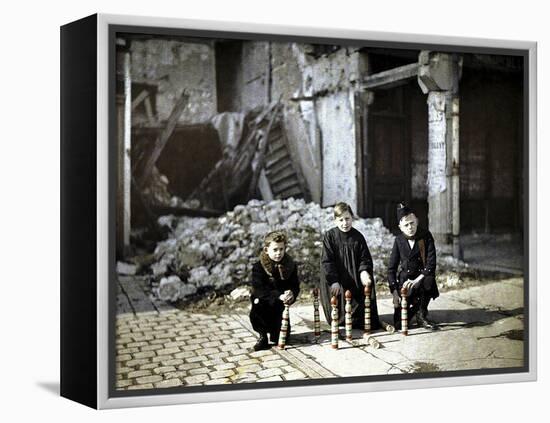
(284, 268)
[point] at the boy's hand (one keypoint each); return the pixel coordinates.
(396, 299)
(335, 289)
(409, 285)
(287, 297)
(365, 278)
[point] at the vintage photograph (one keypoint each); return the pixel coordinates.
(297, 211)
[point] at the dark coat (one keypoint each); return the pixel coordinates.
(344, 257)
(406, 263)
(270, 279)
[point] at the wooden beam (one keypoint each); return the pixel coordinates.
(137, 101)
(390, 78)
(161, 141)
(160, 210)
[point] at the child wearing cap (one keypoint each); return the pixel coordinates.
(412, 266)
(274, 284)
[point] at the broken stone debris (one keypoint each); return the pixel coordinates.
(218, 253)
(241, 293)
(126, 268)
(172, 288)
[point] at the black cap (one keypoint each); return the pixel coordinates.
(403, 210)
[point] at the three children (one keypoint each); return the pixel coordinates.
(346, 264)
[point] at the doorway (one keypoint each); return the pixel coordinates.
(388, 155)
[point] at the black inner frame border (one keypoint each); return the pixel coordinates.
(114, 29)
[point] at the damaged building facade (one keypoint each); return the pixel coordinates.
(215, 123)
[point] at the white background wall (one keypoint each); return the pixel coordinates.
(29, 320)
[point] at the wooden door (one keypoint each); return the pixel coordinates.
(389, 158)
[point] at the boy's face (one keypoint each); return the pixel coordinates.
(275, 250)
(408, 225)
(344, 222)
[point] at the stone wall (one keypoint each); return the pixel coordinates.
(174, 66)
(319, 115)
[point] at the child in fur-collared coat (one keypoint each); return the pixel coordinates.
(274, 284)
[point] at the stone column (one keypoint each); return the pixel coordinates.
(438, 76)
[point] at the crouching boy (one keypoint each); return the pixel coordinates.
(346, 264)
(274, 284)
(412, 265)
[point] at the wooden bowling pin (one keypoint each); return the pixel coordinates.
(316, 320)
(334, 323)
(284, 328)
(404, 312)
(349, 335)
(367, 309)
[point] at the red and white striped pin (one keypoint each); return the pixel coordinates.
(367, 308)
(404, 312)
(349, 334)
(316, 320)
(334, 323)
(284, 328)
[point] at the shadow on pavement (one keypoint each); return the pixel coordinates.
(445, 319)
(472, 317)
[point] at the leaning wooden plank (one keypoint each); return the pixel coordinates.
(149, 111)
(264, 187)
(161, 141)
(141, 96)
(161, 210)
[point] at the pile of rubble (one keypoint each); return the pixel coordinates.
(217, 253)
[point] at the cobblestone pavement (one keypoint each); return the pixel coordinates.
(174, 348)
(481, 327)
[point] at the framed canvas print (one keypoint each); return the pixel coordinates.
(256, 211)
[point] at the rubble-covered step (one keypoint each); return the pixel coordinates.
(276, 129)
(275, 145)
(287, 174)
(272, 150)
(295, 192)
(285, 185)
(277, 168)
(277, 157)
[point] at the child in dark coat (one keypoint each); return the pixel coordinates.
(346, 264)
(412, 266)
(274, 284)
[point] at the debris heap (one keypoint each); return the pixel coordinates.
(204, 254)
